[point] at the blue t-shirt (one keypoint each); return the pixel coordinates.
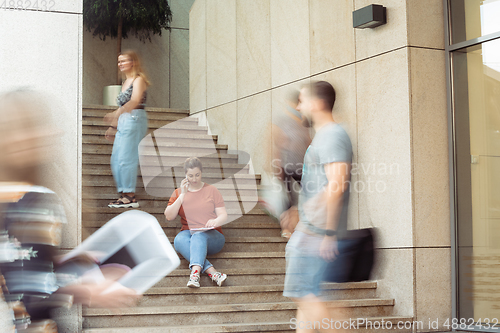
(330, 144)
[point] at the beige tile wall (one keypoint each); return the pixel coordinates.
(331, 34)
(254, 117)
(253, 47)
(433, 287)
(290, 53)
(221, 51)
(198, 57)
(384, 142)
(179, 69)
(387, 37)
(429, 145)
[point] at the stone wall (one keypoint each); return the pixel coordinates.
(391, 97)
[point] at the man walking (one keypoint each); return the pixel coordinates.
(323, 206)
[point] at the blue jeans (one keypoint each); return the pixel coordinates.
(132, 127)
(196, 247)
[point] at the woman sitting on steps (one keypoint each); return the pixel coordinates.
(202, 212)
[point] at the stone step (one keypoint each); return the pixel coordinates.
(178, 130)
(155, 119)
(166, 181)
(96, 200)
(271, 242)
(110, 108)
(152, 124)
(97, 133)
(161, 210)
(228, 232)
(159, 296)
(224, 260)
(173, 158)
(211, 169)
(94, 218)
(103, 192)
(208, 167)
(162, 144)
(102, 199)
(164, 152)
(230, 198)
(194, 140)
(158, 125)
(163, 184)
(239, 228)
(254, 327)
(224, 313)
(99, 114)
(152, 205)
(237, 276)
(240, 172)
(151, 170)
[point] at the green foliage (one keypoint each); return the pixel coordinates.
(142, 17)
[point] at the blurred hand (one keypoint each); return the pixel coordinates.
(120, 297)
(112, 118)
(289, 219)
(110, 134)
(184, 186)
(212, 223)
(92, 294)
(329, 248)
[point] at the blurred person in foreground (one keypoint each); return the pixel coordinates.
(202, 211)
(290, 141)
(128, 125)
(32, 216)
(323, 202)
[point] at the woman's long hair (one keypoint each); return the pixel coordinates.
(137, 68)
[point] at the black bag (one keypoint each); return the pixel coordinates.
(355, 259)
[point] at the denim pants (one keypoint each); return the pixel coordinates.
(132, 127)
(196, 247)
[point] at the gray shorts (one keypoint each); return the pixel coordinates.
(304, 270)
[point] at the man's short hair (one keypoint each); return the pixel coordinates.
(191, 163)
(325, 92)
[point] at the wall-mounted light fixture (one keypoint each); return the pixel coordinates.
(369, 17)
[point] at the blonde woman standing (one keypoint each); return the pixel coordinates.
(128, 125)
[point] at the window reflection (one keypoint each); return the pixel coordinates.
(473, 18)
(477, 113)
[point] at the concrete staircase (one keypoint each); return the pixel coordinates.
(253, 258)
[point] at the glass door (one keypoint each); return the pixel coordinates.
(476, 99)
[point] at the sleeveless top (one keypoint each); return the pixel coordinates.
(125, 96)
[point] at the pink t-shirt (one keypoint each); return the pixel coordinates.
(198, 207)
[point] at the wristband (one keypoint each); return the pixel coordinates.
(330, 232)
